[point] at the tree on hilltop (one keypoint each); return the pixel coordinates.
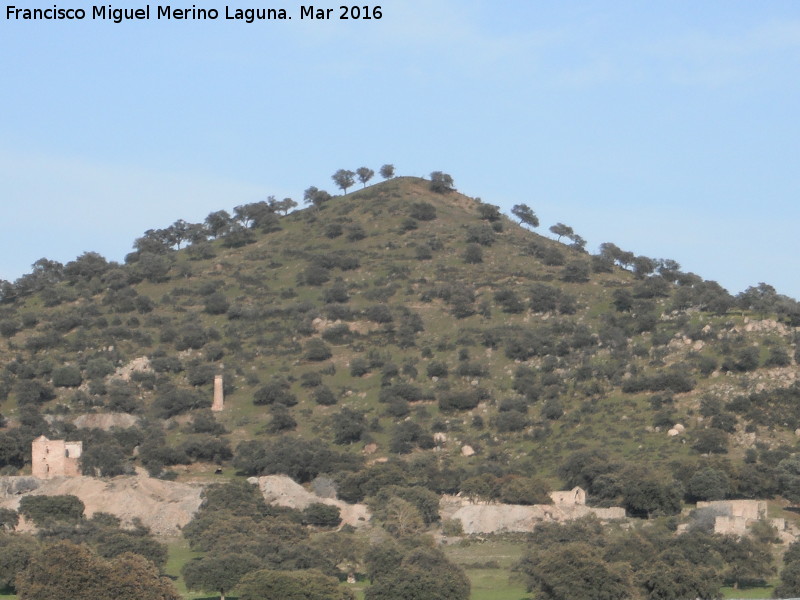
(441, 183)
(525, 215)
(316, 196)
(364, 175)
(387, 171)
(561, 230)
(343, 179)
(283, 206)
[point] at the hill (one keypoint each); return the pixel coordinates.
(397, 323)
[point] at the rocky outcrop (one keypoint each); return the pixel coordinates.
(283, 491)
(163, 506)
(481, 517)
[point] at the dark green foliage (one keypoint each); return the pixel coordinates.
(788, 475)
(113, 543)
(359, 367)
(711, 441)
(622, 300)
(509, 301)
(208, 449)
(291, 585)
(68, 376)
(9, 519)
(473, 254)
(575, 272)
(545, 298)
(16, 551)
(407, 435)
(552, 409)
(106, 460)
(324, 396)
(489, 212)
(745, 359)
(90, 577)
(458, 400)
(403, 390)
(708, 484)
(97, 368)
(525, 215)
(524, 490)
(216, 304)
(778, 357)
(311, 379)
(425, 501)
(302, 460)
(378, 313)
(336, 293)
(355, 233)
(333, 230)
(408, 224)
(315, 275)
(675, 379)
(321, 515)
(201, 375)
(276, 391)
(33, 392)
(441, 183)
(219, 572)
(45, 509)
(282, 420)
(789, 586)
(9, 328)
(174, 401)
(348, 426)
(422, 211)
(511, 420)
(437, 368)
(203, 421)
(317, 350)
(589, 576)
(191, 337)
(482, 234)
(422, 574)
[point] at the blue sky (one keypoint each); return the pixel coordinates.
(668, 128)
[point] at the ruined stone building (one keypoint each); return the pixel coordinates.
(734, 517)
(574, 497)
(55, 458)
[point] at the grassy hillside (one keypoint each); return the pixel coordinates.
(371, 322)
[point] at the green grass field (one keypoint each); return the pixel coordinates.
(746, 593)
(488, 565)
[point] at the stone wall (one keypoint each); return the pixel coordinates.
(484, 517)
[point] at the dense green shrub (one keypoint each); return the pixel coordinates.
(67, 376)
(45, 509)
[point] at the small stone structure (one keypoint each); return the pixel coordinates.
(55, 458)
(574, 497)
(734, 517)
(218, 404)
(488, 517)
(748, 510)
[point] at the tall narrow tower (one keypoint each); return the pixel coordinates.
(219, 400)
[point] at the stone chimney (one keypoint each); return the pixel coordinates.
(217, 405)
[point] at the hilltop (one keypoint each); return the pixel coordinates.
(404, 324)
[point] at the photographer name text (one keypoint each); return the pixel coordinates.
(169, 12)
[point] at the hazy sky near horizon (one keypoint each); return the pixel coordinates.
(668, 128)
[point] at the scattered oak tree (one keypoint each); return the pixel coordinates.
(343, 179)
